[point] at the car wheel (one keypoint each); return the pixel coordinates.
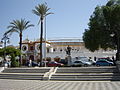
(97, 65)
(110, 64)
(85, 65)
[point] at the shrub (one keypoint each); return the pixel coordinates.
(57, 59)
(48, 59)
(14, 63)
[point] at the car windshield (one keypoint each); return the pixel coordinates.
(77, 62)
(102, 59)
(83, 58)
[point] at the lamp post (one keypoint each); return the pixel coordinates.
(45, 43)
(5, 40)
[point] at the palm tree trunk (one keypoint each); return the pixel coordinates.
(20, 48)
(41, 35)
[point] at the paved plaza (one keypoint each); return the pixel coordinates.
(57, 85)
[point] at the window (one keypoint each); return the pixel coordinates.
(24, 48)
(38, 47)
(31, 48)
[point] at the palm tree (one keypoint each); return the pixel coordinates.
(18, 26)
(42, 11)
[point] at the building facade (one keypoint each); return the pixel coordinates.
(57, 48)
(31, 50)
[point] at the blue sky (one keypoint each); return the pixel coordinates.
(70, 17)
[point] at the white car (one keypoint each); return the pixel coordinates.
(81, 63)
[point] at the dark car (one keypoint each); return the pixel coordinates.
(104, 63)
(54, 64)
(106, 59)
(63, 61)
(34, 64)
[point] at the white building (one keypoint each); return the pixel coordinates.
(31, 50)
(57, 47)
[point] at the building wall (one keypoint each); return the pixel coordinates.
(31, 50)
(62, 46)
(53, 49)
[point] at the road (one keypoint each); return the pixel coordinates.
(57, 85)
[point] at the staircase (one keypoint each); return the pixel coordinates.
(24, 73)
(107, 73)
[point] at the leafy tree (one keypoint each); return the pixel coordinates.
(92, 36)
(19, 26)
(13, 53)
(42, 11)
(104, 22)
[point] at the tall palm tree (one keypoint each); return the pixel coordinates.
(18, 26)
(42, 11)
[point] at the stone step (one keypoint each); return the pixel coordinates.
(25, 70)
(87, 74)
(85, 79)
(22, 76)
(87, 67)
(87, 70)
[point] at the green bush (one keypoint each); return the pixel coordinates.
(14, 63)
(57, 59)
(48, 59)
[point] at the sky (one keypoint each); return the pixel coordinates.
(70, 17)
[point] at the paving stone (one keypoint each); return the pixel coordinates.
(57, 85)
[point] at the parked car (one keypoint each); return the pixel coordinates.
(77, 63)
(34, 64)
(104, 63)
(106, 59)
(63, 61)
(82, 63)
(54, 64)
(82, 58)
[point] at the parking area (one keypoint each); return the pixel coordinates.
(57, 85)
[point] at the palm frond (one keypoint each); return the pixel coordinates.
(18, 26)
(42, 11)
(31, 25)
(39, 21)
(49, 13)
(36, 12)
(9, 32)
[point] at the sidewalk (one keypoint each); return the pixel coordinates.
(57, 85)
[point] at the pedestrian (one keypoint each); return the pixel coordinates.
(90, 59)
(113, 60)
(30, 62)
(94, 58)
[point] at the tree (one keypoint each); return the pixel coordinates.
(19, 26)
(104, 21)
(42, 11)
(112, 16)
(97, 36)
(12, 52)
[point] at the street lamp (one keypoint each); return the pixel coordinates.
(5, 40)
(45, 42)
